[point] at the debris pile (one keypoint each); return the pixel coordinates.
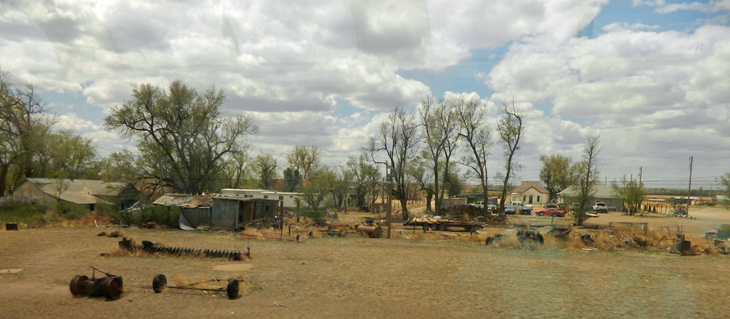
(151, 247)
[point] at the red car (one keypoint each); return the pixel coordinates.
(550, 212)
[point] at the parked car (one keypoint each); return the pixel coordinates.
(550, 212)
(517, 207)
(548, 206)
(600, 207)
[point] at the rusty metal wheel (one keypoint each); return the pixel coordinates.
(232, 289)
(77, 285)
(159, 283)
(112, 287)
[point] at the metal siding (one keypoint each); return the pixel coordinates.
(225, 213)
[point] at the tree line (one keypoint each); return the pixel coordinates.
(185, 144)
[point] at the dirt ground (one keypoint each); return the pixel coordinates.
(363, 278)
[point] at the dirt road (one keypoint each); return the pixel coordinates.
(360, 278)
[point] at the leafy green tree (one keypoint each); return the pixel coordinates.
(292, 179)
(237, 169)
(22, 130)
(305, 159)
(265, 166)
(631, 192)
(420, 172)
(181, 133)
(119, 167)
(556, 174)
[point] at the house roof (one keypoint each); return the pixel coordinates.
(79, 191)
(185, 201)
(527, 185)
(600, 191)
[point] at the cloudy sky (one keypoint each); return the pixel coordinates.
(651, 77)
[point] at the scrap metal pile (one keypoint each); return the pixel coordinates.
(473, 213)
(179, 251)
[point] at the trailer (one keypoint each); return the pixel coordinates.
(443, 224)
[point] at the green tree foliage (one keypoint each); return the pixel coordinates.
(182, 136)
(28, 145)
(725, 181)
(453, 183)
(305, 159)
(366, 179)
(292, 179)
(265, 167)
(556, 174)
(420, 172)
(119, 167)
(587, 171)
(314, 191)
(440, 128)
(237, 169)
(631, 192)
(510, 130)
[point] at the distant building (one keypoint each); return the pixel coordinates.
(289, 198)
(530, 193)
(82, 192)
(602, 192)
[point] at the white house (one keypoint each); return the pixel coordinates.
(287, 197)
(530, 193)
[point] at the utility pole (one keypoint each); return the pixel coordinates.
(389, 178)
(641, 170)
(689, 191)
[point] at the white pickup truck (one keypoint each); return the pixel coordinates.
(600, 207)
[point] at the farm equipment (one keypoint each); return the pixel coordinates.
(680, 211)
(159, 284)
(533, 235)
(109, 286)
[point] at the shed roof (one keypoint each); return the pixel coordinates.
(183, 200)
(600, 191)
(79, 191)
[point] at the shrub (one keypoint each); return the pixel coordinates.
(21, 212)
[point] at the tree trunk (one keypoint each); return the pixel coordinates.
(4, 178)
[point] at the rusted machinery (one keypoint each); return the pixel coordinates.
(159, 284)
(109, 286)
(210, 253)
(533, 235)
(372, 232)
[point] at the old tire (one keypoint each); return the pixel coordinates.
(542, 214)
(112, 287)
(159, 283)
(232, 289)
(77, 285)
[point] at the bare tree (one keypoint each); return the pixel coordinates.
(588, 174)
(305, 159)
(477, 134)
(510, 130)
(397, 139)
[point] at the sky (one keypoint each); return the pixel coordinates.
(651, 77)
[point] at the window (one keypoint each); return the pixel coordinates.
(266, 196)
(538, 198)
(281, 197)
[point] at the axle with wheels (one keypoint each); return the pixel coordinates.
(159, 284)
(109, 287)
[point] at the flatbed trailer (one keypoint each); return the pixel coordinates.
(443, 224)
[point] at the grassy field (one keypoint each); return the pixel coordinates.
(407, 277)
